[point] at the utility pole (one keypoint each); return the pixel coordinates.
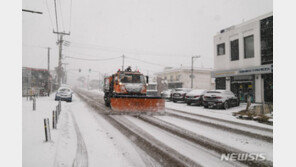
(122, 62)
(192, 76)
(60, 43)
(48, 59)
(65, 76)
(48, 68)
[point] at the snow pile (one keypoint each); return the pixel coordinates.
(215, 113)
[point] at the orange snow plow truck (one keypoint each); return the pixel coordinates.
(125, 91)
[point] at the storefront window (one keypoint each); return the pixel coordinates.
(249, 46)
(243, 86)
(221, 83)
(234, 50)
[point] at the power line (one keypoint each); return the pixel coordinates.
(56, 15)
(51, 22)
(78, 58)
(70, 15)
(35, 46)
(134, 52)
(143, 61)
(61, 15)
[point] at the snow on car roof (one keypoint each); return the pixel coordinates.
(197, 91)
(216, 91)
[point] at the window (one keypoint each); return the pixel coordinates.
(221, 49)
(234, 50)
(128, 78)
(221, 83)
(178, 77)
(249, 46)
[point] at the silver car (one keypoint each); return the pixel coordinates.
(179, 94)
(64, 94)
(220, 98)
(195, 97)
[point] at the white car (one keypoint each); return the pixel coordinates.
(166, 94)
(64, 94)
(220, 98)
(195, 97)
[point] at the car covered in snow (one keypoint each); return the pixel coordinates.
(64, 94)
(195, 97)
(166, 94)
(179, 94)
(220, 98)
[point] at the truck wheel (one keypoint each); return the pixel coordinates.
(188, 103)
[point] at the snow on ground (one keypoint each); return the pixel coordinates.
(237, 141)
(105, 145)
(37, 152)
(215, 113)
(97, 91)
(195, 152)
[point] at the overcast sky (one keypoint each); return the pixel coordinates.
(161, 32)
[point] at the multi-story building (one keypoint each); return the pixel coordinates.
(180, 78)
(243, 58)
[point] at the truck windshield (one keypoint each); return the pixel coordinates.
(132, 78)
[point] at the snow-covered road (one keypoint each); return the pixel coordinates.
(85, 137)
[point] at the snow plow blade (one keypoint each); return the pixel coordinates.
(129, 103)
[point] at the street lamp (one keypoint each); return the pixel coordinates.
(192, 76)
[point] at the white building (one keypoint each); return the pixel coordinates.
(180, 78)
(243, 57)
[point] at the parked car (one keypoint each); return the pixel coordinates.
(179, 94)
(220, 98)
(166, 94)
(195, 97)
(64, 94)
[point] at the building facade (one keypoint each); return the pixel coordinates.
(243, 59)
(35, 81)
(180, 78)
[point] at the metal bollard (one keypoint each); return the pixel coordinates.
(60, 105)
(48, 129)
(56, 118)
(53, 120)
(34, 104)
(45, 129)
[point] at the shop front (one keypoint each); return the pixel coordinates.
(256, 82)
(243, 86)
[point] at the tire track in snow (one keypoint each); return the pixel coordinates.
(81, 158)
